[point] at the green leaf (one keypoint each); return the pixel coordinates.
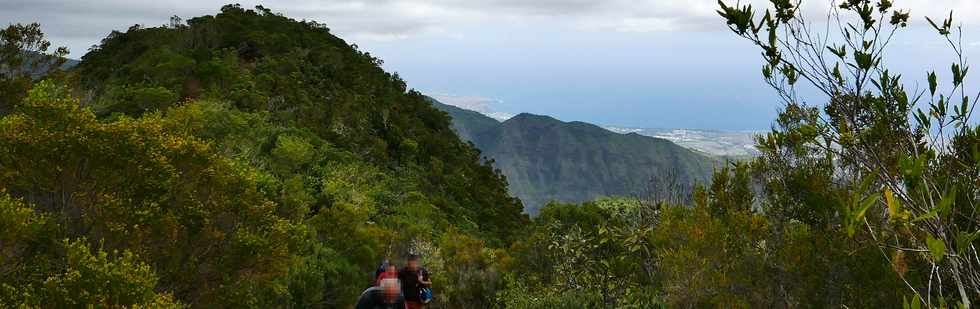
(946, 203)
(922, 119)
(894, 206)
(738, 18)
(857, 214)
(931, 214)
(933, 83)
(944, 30)
(867, 203)
(772, 37)
(900, 18)
(837, 74)
(863, 60)
(965, 106)
(937, 248)
(884, 5)
(964, 240)
(841, 51)
(927, 19)
(957, 74)
(915, 304)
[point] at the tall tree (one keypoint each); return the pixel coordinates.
(24, 56)
(896, 170)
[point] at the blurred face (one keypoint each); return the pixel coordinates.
(391, 268)
(390, 289)
(391, 293)
(413, 264)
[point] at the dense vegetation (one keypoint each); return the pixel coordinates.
(250, 160)
(546, 160)
(867, 199)
(468, 124)
(241, 159)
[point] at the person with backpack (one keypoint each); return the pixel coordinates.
(414, 279)
(381, 269)
(386, 295)
(391, 271)
(426, 291)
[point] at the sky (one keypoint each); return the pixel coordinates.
(627, 63)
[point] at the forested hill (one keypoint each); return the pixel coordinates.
(244, 159)
(545, 159)
(467, 123)
(299, 75)
(249, 160)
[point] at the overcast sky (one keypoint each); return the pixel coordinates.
(638, 63)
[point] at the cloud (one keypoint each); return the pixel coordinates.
(500, 116)
(90, 20)
(478, 104)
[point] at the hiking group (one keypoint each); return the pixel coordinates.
(408, 288)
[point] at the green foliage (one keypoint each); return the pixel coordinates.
(93, 278)
(937, 248)
(829, 165)
(298, 76)
(146, 187)
(548, 160)
(39, 270)
(241, 160)
(469, 270)
(520, 296)
(723, 251)
(292, 152)
(249, 160)
(24, 56)
(135, 99)
(594, 255)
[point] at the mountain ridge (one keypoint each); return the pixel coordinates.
(242, 159)
(545, 159)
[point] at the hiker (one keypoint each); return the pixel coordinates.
(386, 266)
(381, 269)
(391, 271)
(387, 295)
(414, 279)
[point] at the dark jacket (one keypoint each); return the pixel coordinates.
(410, 283)
(373, 298)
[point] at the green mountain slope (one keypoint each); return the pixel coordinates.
(300, 75)
(38, 70)
(545, 159)
(242, 160)
(466, 123)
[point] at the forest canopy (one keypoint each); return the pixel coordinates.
(247, 159)
(243, 159)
